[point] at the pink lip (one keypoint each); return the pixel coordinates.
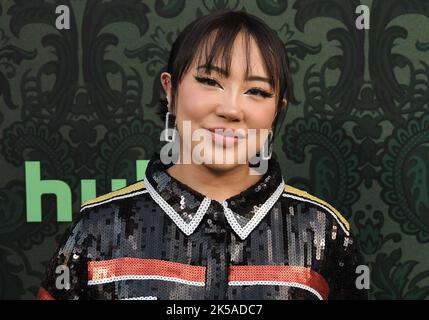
(228, 132)
(225, 136)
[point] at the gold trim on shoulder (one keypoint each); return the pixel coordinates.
(120, 193)
(306, 195)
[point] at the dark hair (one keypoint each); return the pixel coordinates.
(222, 28)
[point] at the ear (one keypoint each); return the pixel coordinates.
(284, 103)
(166, 84)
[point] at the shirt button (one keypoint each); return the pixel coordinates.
(225, 204)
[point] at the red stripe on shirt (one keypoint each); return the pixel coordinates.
(295, 274)
(144, 267)
(44, 295)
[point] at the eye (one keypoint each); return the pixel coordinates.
(260, 92)
(207, 81)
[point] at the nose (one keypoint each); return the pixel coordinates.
(230, 108)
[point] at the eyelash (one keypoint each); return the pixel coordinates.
(210, 81)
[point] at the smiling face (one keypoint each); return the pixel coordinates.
(225, 108)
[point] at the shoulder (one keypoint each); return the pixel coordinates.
(112, 198)
(97, 216)
(303, 196)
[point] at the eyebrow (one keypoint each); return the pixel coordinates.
(223, 72)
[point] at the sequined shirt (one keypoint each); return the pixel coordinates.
(160, 239)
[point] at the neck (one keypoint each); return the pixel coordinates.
(215, 184)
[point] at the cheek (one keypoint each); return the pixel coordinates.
(260, 115)
(193, 103)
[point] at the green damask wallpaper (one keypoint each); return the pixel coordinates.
(83, 103)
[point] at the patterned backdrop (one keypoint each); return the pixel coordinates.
(83, 104)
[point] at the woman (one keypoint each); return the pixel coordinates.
(207, 229)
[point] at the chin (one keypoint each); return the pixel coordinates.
(227, 159)
(222, 167)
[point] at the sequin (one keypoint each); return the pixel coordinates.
(182, 202)
(168, 241)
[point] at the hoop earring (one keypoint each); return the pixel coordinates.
(168, 129)
(269, 142)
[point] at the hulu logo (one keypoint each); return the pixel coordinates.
(35, 188)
